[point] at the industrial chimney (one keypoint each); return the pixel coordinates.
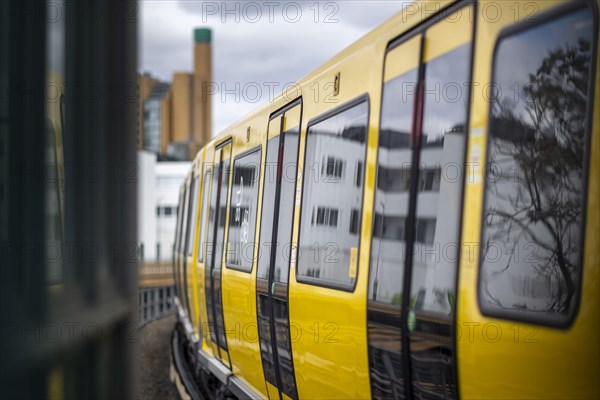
(202, 127)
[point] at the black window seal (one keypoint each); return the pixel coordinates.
(363, 98)
(257, 148)
(543, 319)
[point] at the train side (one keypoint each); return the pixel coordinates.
(418, 217)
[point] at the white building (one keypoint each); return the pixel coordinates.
(158, 189)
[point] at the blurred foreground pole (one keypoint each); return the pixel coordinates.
(68, 173)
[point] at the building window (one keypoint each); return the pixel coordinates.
(534, 208)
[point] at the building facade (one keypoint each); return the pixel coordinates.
(157, 205)
(175, 118)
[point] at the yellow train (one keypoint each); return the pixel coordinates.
(417, 218)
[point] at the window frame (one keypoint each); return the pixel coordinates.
(559, 321)
(309, 280)
(241, 155)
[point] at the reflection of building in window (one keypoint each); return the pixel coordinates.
(389, 227)
(332, 197)
(325, 216)
(425, 230)
(242, 211)
(332, 167)
(358, 174)
(429, 180)
(354, 222)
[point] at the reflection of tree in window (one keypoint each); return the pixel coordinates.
(535, 187)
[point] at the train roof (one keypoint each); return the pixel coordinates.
(401, 21)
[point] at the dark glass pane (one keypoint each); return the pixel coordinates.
(534, 198)
(264, 331)
(287, 194)
(267, 215)
(284, 350)
(325, 246)
(243, 204)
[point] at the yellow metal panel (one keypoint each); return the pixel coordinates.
(275, 127)
(500, 359)
(272, 391)
(397, 61)
(291, 118)
(448, 34)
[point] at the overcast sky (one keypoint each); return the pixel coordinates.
(258, 47)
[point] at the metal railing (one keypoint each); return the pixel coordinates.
(154, 302)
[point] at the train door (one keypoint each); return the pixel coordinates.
(214, 253)
(272, 277)
(418, 203)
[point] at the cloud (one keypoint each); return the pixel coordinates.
(263, 44)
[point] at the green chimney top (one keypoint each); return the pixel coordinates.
(202, 35)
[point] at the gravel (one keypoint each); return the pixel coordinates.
(155, 350)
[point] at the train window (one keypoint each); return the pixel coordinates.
(391, 194)
(183, 227)
(532, 240)
(204, 212)
(178, 223)
(242, 215)
(439, 183)
(267, 218)
(192, 216)
(327, 250)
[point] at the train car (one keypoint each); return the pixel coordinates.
(417, 218)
